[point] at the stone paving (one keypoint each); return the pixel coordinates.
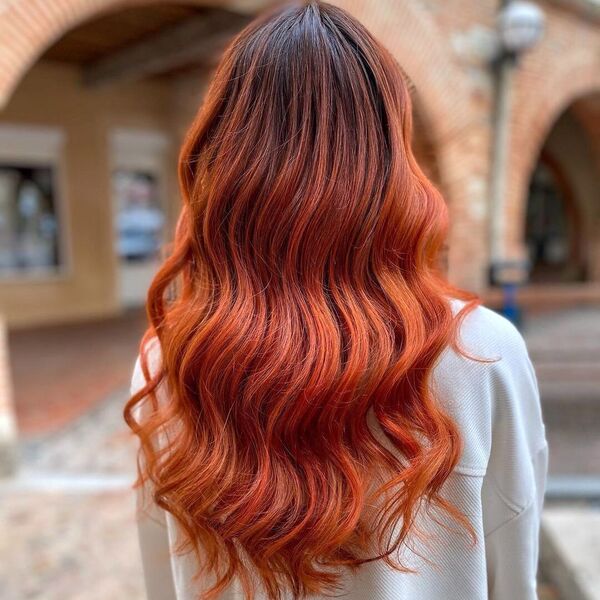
(68, 517)
(61, 371)
(565, 349)
(68, 546)
(98, 443)
(571, 549)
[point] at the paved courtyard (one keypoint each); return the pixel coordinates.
(565, 349)
(68, 518)
(60, 372)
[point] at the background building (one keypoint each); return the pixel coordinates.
(96, 94)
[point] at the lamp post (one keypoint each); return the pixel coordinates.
(520, 26)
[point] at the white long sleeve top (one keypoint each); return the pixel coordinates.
(498, 483)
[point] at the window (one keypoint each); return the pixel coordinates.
(140, 159)
(30, 225)
(552, 226)
(140, 216)
(28, 220)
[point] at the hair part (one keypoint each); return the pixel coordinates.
(299, 316)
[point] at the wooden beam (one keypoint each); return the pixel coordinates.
(250, 7)
(194, 41)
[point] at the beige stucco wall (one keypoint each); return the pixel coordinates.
(51, 95)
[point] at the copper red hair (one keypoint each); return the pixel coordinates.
(299, 316)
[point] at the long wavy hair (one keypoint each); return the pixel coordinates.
(299, 316)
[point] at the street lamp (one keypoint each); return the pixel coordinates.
(520, 25)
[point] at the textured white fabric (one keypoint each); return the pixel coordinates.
(498, 483)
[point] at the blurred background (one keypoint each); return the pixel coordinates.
(95, 96)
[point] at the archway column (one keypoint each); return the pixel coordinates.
(8, 427)
(464, 166)
(587, 113)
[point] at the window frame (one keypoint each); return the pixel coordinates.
(32, 146)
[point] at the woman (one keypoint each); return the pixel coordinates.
(320, 412)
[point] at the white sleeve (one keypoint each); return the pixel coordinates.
(152, 530)
(155, 550)
(514, 484)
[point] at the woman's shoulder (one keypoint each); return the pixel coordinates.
(487, 377)
(490, 352)
(484, 330)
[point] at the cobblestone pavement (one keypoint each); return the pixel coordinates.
(68, 546)
(67, 519)
(98, 443)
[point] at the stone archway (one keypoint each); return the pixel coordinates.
(28, 27)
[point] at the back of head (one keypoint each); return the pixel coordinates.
(302, 299)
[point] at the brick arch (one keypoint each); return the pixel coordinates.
(410, 33)
(456, 131)
(533, 118)
(29, 27)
